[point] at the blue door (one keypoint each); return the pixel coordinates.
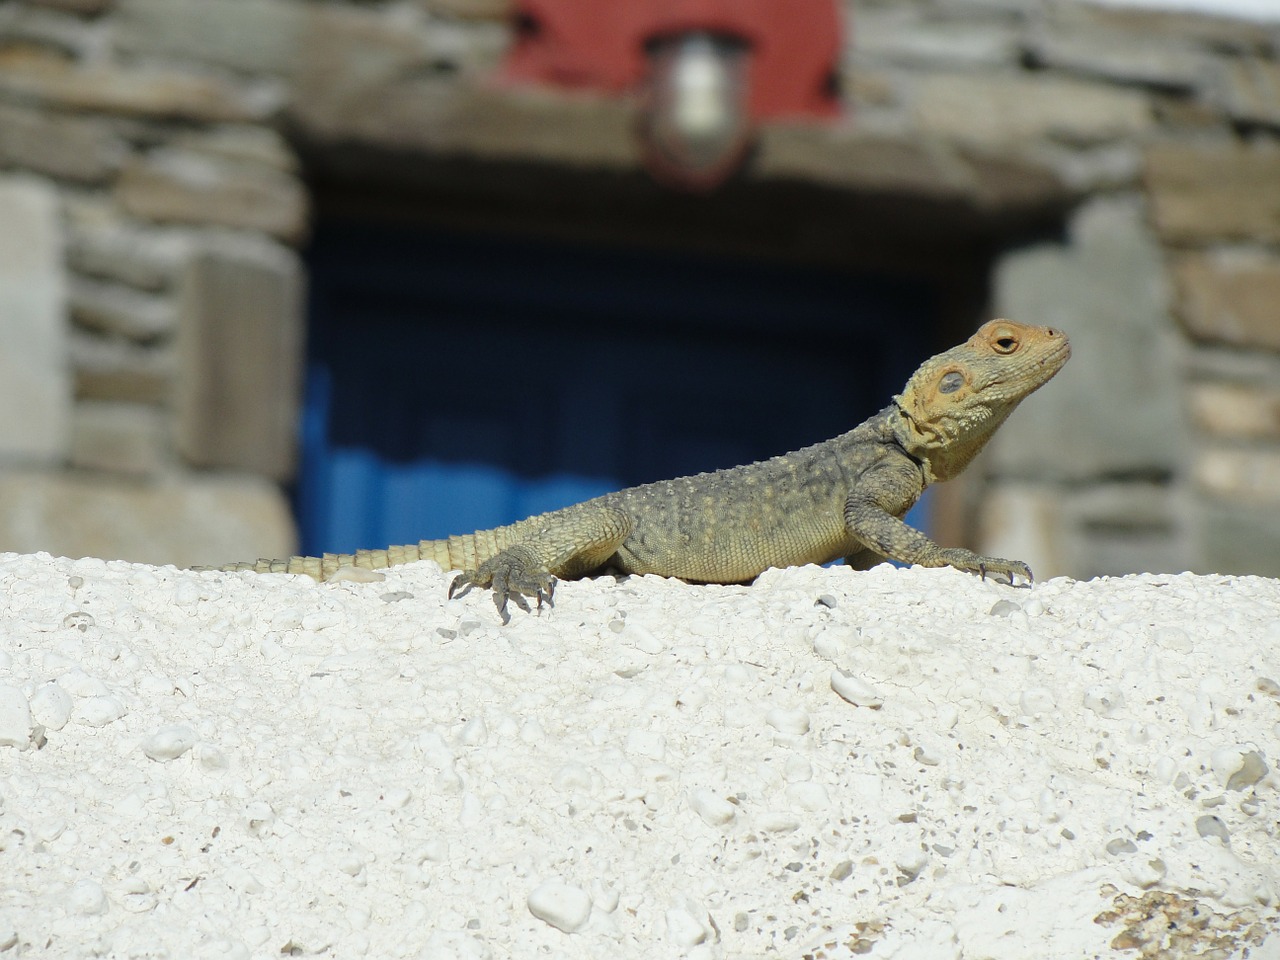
(458, 382)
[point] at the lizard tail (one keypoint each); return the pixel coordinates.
(465, 552)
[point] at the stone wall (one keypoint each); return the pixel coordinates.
(1123, 166)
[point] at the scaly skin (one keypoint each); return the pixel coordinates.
(844, 497)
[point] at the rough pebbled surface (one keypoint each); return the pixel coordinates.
(844, 497)
(834, 764)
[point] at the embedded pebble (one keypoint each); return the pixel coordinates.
(1238, 768)
(793, 722)
(78, 621)
(573, 776)
(925, 756)
(1173, 639)
(830, 643)
(775, 821)
(353, 574)
(1212, 826)
(1104, 700)
(51, 706)
(561, 905)
(169, 743)
(80, 684)
(1166, 769)
(321, 620)
(1144, 872)
(99, 711)
(683, 928)
(1037, 700)
(15, 717)
(1005, 608)
(87, 898)
(603, 897)
(712, 807)
(642, 638)
(807, 795)
(474, 732)
(211, 759)
(855, 690)
(797, 769)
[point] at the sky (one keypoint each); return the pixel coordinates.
(1262, 10)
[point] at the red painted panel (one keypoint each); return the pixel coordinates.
(600, 44)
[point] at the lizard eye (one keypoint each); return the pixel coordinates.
(951, 382)
(1005, 344)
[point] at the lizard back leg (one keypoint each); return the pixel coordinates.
(571, 543)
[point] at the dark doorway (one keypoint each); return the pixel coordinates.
(458, 381)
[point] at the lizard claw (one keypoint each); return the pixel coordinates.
(461, 585)
(513, 574)
(1000, 570)
(1011, 569)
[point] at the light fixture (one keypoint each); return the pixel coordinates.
(695, 123)
(706, 72)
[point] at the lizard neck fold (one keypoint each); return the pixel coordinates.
(943, 446)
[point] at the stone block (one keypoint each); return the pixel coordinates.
(1241, 475)
(115, 309)
(498, 10)
(1090, 170)
(1237, 539)
(1206, 192)
(1125, 57)
(1239, 411)
(1231, 296)
(85, 150)
(1228, 34)
(88, 7)
(995, 110)
(187, 521)
(1115, 408)
(243, 144)
(127, 438)
(27, 23)
(902, 35)
(253, 36)
(367, 80)
(240, 350)
(177, 186)
(856, 160)
(150, 92)
(143, 257)
(109, 368)
(1117, 528)
(1025, 522)
(1108, 529)
(1250, 91)
(35, 379)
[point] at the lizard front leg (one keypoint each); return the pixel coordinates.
(573, 542)
(869, 518)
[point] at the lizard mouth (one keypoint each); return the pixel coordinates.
(1059, 356)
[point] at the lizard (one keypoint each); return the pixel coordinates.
(841, 498)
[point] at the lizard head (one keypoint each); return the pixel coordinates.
(953, 404)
